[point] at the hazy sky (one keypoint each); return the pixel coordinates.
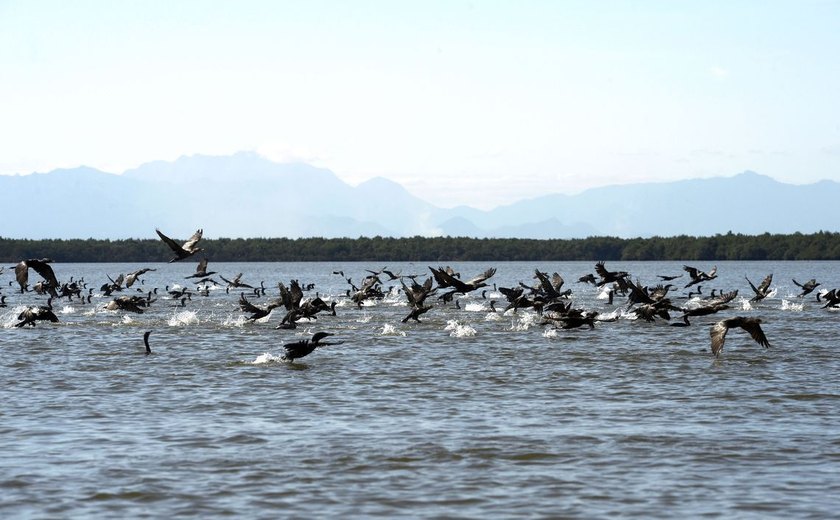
(477, 103)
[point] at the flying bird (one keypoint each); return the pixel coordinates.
(763, 288)
(41, 267)
(806, 287)
(303, 348)
(201, 270)
(189, 248)
(130, 278)
(751, 325)
(698, 276)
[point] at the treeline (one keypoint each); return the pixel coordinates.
(797, 246)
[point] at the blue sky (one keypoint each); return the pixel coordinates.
(477, 103)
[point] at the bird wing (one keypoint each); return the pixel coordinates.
(483, 276)
(557, 281)
(171, 243)
(202, 266)
(765, 284)
(190, 244)
(755, 290)
(409, 293)
(718, 335)
(22, 273)
(296, 293)
(44, 269)
(546, 285)
(754, 328)
(247, 306)
(601, 269)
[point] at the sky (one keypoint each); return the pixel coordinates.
(480, 103)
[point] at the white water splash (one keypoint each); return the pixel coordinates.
(550, 333)
(459, 330)
(184, 318)
(390, 330)
(790, 306)
(604, 293)
(67, 310)
(745, 304)
(364, 318)
(234, 321)
(526, 321)
(475, 307)
(127, 320)
(10, 317)
(492, 316)
(267, 357)
(611, 316)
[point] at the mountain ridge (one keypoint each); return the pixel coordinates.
(246, 195)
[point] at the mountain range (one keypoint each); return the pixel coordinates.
(246, 195)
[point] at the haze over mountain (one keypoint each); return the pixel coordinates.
(246, 195)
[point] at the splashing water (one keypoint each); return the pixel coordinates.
(459, 330)
(475, 307)
(184, 318)
(525, 322)
(745, 304)
(790, 306)
(267, 357)
(67, 310)
(237, 321)
(390, 330)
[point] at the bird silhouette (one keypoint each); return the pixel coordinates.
(299, 349)
(751, 325)
(189, 248)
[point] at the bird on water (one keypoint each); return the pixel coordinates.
(37, 313)
(299, 349)
(146, 342)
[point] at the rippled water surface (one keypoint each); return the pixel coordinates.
(468, 414)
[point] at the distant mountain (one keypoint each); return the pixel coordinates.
(245, 195)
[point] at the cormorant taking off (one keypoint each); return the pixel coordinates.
(763, 288)
(751, 325)
(698, 276)
(189, 248)
(41, 267)
(201, 270)
(299, 349)
(806, 287)
(36, 313)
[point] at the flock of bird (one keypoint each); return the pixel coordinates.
(547, 297)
